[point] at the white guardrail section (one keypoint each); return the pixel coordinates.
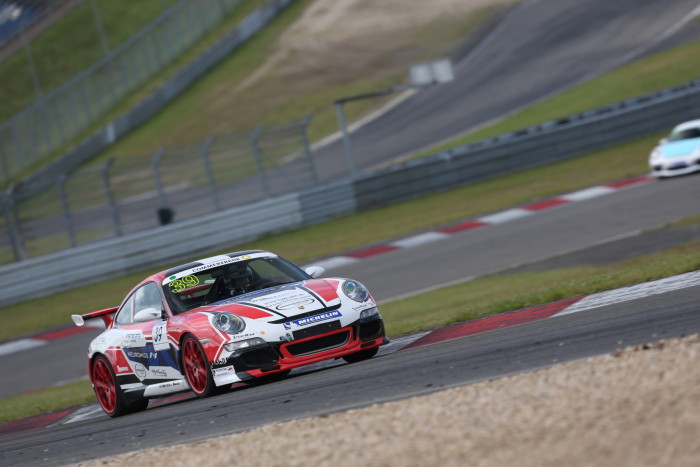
(167, 245)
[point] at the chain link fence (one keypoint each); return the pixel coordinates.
(61, 115)
(129, 194)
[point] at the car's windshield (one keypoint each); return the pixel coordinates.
(688, 133)
(214, 282)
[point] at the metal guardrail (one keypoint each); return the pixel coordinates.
(541, 144)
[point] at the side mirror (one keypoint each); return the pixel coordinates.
(147, 314)
(315, 271)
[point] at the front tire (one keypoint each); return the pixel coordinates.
(109, 394)
(197, 369)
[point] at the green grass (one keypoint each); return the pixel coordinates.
(46, 400)
(465, 301)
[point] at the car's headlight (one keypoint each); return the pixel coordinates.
(369, 312)
(355, 291)
(228, 323)
(233, 346)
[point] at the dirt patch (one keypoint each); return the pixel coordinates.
(337, 42)
(638, 406)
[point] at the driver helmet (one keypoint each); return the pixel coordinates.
(238, 279)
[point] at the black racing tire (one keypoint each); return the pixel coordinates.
(361, 355)
(109, 394)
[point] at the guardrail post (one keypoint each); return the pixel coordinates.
(204, 152)
(258, 159)
(61, 186)
(307, 147)
(110, 196)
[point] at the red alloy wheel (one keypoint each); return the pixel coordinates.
(195, 365)
(104, 384)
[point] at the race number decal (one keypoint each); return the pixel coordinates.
(160, 336)
(179, 285)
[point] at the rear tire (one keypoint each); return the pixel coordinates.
(109, 394)
(361, 355)
(197, 369)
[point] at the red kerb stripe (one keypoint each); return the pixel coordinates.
(631, 181)
(377, 250)
(33, 423)
(491, 323)
(545, 204)
(61, 333)
(463, 226)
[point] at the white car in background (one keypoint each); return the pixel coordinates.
(679, 153)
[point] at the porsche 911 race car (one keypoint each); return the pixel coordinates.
(679, 153)
(238, 317)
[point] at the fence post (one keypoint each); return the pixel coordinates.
(110, 196)
(165, 212)
(204, 152)
(307, 147)
(14, 227)
(61, 186)
(258, 159)
(10, 229)
(3, 154)
(346, 139)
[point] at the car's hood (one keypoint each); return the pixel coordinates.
(680, 148)
(285, 301)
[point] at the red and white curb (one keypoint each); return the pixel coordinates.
(491, 219)
(455, 331)
(45, 338)
(560, 308)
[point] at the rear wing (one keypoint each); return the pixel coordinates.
(105, 314)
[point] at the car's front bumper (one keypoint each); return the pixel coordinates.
(319, 344)
(674, 167)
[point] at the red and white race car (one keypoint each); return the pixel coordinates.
(208, 324)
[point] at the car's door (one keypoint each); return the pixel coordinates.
(145, 343)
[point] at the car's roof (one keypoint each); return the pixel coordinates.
(210, 260)
(687, 125)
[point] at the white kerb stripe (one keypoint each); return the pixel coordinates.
(506, 216)
(418, 240)
(335, 262)
(20, 345)
(625, 294)
(588, 193)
